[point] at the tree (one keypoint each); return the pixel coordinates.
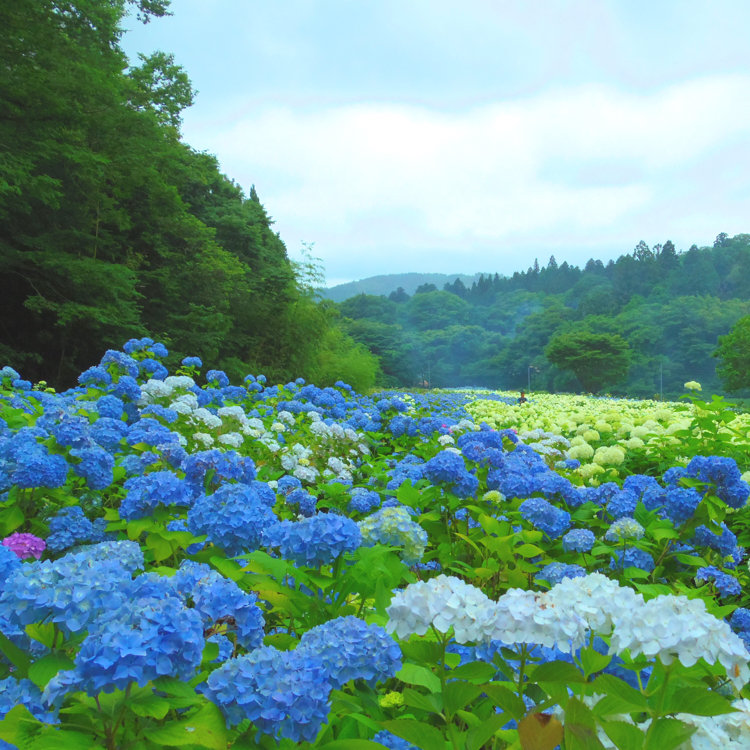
(596, 359)
(734, 353)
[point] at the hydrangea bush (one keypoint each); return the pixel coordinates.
(191, 562)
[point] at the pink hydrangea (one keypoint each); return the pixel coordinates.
(25, 545)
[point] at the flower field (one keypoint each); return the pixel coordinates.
(192, 563)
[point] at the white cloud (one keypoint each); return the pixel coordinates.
(407, 181)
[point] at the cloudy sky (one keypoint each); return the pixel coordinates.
(472, 135)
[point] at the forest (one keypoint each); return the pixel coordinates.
(112, 227)
(666, 308)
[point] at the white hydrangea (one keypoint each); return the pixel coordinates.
(271, 444)
(286, 417)
(181, 407)
(314, 416)
(336, 465)
(446, 440)
(337, 432)
(591, 436)
(675, 627)
(581, 451)
(725, 732)
(444, 602)
(611, 455)
(177, 382)
(278, 427)
(306, 473)
(204, 439)
(320, 429)
(596, 598)
(232, 439)
(289, 462)
(204, 416)
(233, 412)
(154, 390)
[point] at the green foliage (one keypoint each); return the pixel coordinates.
(734, 353)
(596, 359)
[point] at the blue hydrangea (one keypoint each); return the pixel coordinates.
(158, 349)
(217, 378)
(233, 518)
(141, 640)
(314, 541)
(391, 741)
(110, 406)
(72, 591)
(553, 521)
(223, 465)
(288, 483)
(554, 572)
(192, 362)
(725, 544)
(145, 493)
(151, 433)
(740, 619)
(9, 561)
(622, 504)
(350, 649)
(578, 540)
(120, 362)
(40, 469)
(449, 468)
(221, 603)
(283, 693)
(726, 585)
(303, 501)
(108, 432)
(95, 376)
(95, 466)
(724, 475)
(160, 412)
(632, 557)
(363, 500)
(14, 692)
(68, 527)
(127, 388)
(153, 369)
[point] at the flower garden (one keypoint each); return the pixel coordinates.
(187, 562)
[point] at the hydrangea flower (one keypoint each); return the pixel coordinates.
(150, 490)
(284, 693)
(393, 526)
(350, 649)
(233, 518)
(632, 557)
(25, 545)
(544, 516)
(624, 528)
(314, 541)
(554, 572)
(578, 540)
(726, 585)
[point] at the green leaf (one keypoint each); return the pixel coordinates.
(475, 671)
(528, 550)
(592, 661)
(424, 736)
(426, 652)
(205, 728)
(19, 726)
(580, 727)
(151, 706)
(505, 698)
(625, 736)
(479, 735)
(15, 655)
(351, 745)
(698, 701)
(43, 632)
(458, 694)
(667, 734)
(620, 696)
(414, 674)
(10, 519)
(557, 671)
(43, 670)
(432, 703)
(50, 738)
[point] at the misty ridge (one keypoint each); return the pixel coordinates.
(670, 307)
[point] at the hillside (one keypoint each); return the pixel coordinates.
(387, 283)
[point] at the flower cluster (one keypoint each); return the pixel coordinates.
(395, 527)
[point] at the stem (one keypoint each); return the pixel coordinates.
(655, 715)
(521, 669)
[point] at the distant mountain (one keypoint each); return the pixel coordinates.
(390, 282)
